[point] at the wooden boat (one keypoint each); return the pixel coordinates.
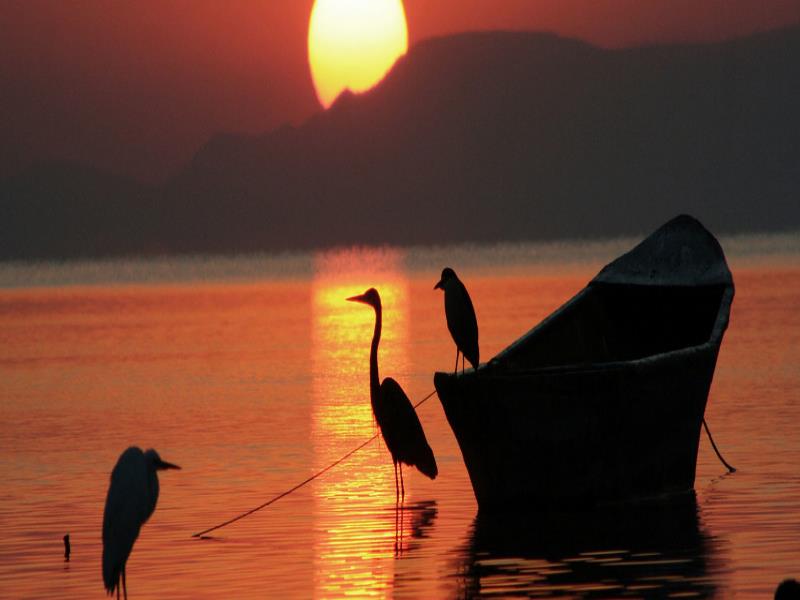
(603, 400)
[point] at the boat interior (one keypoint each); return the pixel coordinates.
(607, 323)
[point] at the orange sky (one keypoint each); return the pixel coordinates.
(138, 87)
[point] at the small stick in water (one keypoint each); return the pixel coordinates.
(66, 548)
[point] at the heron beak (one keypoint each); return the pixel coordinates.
(162, 465)
(440, 285)
(357, 299)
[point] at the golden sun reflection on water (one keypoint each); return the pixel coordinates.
(355, 506)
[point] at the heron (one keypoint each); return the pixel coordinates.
(788, 589)
(131, 499)
(461, 320)
(397, 420)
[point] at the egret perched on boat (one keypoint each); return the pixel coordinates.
(397, 420)
(131, 499)
(461, 320)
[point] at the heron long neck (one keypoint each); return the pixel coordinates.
(374, 380)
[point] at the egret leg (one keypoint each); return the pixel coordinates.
(124, 586)
(117, 588)
(462, 363)
(402, 487)
(455, 370)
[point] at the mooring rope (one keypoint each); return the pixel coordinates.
(299, 485)
(713, 445)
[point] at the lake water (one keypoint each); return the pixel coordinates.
(252, 374)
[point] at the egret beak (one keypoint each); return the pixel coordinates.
(440, 285)
(162, 465)
(357, 299)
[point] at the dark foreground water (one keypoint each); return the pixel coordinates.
(251, 374)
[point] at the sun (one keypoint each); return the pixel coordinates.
(352, 44)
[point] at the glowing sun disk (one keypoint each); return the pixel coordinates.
(352, 44)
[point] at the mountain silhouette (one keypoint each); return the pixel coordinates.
(473, 137)
(59, 210)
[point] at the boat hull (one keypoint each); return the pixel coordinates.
(574, 437)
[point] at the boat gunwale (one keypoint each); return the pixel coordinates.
(496, 370)
(608, 277)
(617, 365)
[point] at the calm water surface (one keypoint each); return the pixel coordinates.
(252, 374)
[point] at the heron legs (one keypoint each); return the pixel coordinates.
(455, 369)
(399, 491)
(124, 586)
(400, 495)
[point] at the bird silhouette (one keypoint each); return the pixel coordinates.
(461, 320)
(397, 420)
(788, 589)
(131, 499)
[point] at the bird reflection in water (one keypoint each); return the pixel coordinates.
(421, 515)
(655, 549)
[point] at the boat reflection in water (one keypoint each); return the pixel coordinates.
(650, 549)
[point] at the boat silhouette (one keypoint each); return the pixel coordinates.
(604, 399)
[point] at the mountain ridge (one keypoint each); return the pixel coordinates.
(492, 136)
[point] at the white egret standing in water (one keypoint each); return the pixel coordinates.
(131, 499)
